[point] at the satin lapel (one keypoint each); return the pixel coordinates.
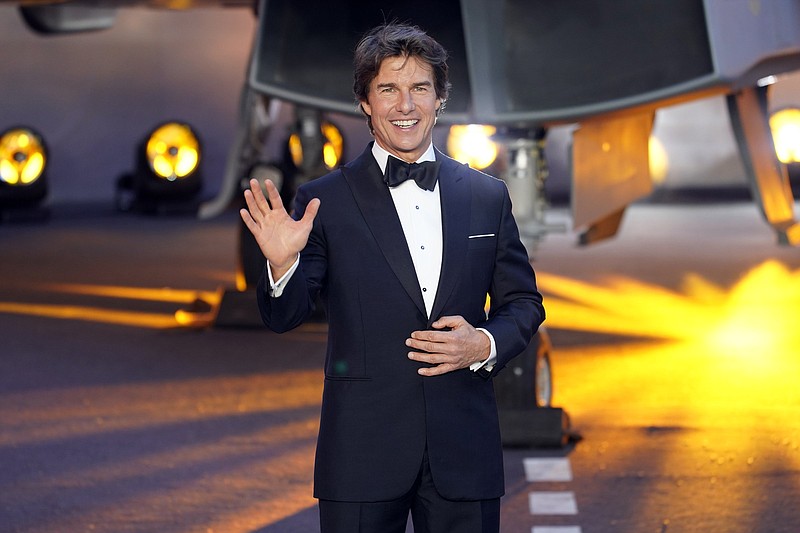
(456, 198)
(364, 178)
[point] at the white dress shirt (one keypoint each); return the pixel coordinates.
(420, 214)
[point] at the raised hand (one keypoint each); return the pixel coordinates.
(278, 235)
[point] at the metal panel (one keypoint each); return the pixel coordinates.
(610, 167)
(768, 178)
(537, 62)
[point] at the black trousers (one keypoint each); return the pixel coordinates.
(430, 513)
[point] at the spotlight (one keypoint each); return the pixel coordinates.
(314, 147)
(167, 175)
(23, 160)
(658, 160)
(472, 144)
(785, 126)
(332, 145)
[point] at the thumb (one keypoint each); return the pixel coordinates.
(311, 212)
(448, 322)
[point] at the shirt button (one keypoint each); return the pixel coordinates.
(424, 289)
(416, 206)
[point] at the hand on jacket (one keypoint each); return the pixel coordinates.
(457, 345)
(278, 235)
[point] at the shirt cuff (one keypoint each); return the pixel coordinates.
(276, 287)
(488, 364)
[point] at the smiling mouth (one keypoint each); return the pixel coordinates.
(404, 123)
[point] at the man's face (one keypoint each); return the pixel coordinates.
(402, 104)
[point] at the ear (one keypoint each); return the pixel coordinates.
(366, 108)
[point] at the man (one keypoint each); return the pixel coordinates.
(408, 421)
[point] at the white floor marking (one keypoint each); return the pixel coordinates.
(560, 503)
(547, 469)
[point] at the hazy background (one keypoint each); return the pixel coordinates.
(95, 96)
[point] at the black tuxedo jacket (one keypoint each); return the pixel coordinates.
(378, 414)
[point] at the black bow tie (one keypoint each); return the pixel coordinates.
(424, 174)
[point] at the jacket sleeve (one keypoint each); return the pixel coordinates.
(516, 309)
(296, 303)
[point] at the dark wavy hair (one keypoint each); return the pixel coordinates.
(392, 40)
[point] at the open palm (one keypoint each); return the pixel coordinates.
(278, 235)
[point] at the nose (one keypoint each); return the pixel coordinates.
(405, 102)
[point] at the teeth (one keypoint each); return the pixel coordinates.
(404, 123)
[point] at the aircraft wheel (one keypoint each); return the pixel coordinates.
(543, 375)
(527, 381)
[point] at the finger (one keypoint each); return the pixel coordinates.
(432, 340)
(311, 212)
(430, 335)
(251, 224)
(255, 187)
(258, 196)
(428, 357)
(253, 209)
(422, 335)
(437, 370)
(275, 199)
(248, 221)
(429, 347)
(449, 322)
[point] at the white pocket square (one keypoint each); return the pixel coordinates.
(482, 235)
